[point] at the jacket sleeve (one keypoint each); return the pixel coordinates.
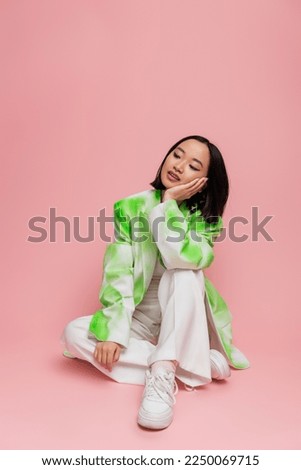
(185, 243)
(112, 322)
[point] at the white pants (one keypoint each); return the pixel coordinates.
(169, 324)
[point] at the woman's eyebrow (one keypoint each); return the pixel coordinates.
(195, 159)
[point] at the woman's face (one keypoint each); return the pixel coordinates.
(188, 161)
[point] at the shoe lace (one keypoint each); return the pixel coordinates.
(161, 386)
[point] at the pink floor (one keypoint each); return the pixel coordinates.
(93, 94)
(51, 402)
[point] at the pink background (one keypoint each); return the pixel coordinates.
(93, 94)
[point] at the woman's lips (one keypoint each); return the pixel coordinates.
(172, 177)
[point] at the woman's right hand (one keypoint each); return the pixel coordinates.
(180, 192)
(107, 352)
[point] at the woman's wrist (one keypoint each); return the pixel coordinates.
(169, 198)
(166, 197)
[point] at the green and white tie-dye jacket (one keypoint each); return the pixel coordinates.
(146, 228)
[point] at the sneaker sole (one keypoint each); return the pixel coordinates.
(148, 422)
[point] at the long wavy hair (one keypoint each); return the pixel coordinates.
(212, 200)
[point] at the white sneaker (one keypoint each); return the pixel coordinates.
(156, 409)
(219, 366)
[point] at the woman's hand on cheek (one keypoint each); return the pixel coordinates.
(180, 192)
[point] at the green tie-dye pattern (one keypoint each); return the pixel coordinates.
(122, 226)
(109, 295)
(99, 326)
(195, 244)
(222, 314)
(117, 277)
(121, 291)
(138, 289)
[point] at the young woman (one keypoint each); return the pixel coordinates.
(161, 318)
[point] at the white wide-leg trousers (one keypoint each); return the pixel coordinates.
(175, 328)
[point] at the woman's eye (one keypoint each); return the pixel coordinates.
(178, 156)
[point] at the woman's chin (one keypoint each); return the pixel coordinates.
(169, 184)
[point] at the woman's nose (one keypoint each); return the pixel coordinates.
(179, 167)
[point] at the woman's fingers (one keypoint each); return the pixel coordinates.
(192, 183)
(202, 180)
(116, 355)
(96, 353)
(196, 187)
(110, 359)
(201, 185)
(106, 355)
